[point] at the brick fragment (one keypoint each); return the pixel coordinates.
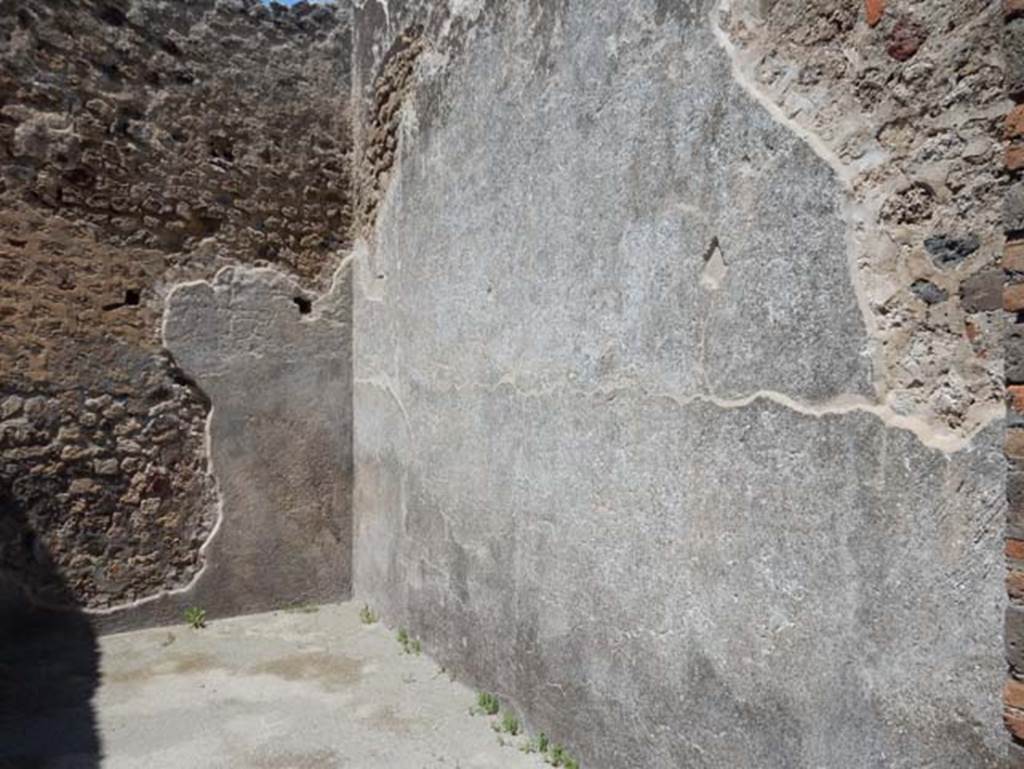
(1014, 549)
(1014, 157)
(1014, 125)
(875, 9)
(1013, 297)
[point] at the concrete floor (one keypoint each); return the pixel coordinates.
(313, 689)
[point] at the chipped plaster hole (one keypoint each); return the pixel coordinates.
(305, 305)
(715, 268)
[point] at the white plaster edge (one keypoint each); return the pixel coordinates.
(858, 220)
(211, 471)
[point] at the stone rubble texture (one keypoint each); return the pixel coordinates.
(910, 112)
(143, 144)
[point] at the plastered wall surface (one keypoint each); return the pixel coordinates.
(636, 446)
(146, 145)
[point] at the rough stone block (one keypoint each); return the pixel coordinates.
(1014, 720)
(1015, 589)
(1013, 256)
(946, 250)
(1013, 208)
(1014, 636)
(983, 291)
(1013, 444)
(1015, 755)
(1013, 297)
(1013, 50)
(906, 38)
(1013, 350)
(1014, 548)
(1015, 490)
(928, 292)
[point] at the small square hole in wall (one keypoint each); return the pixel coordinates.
(132, 298)
(305, 305)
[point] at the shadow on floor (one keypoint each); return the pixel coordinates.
(49, 661)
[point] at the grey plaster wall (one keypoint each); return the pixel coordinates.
(620, 454)
(275, 363)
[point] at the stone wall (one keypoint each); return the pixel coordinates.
(143, 145)
(678, 371)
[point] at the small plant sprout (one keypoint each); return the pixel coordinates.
(487, 704)
(195, 617)
(542, 743)
(366, 615)
(303, 608)
(559, 756)
(510, 724)
(409, 644)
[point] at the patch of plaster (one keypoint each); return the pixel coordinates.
(330, 307)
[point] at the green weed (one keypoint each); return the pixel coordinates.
(366, 615)
(409, 644)
(487, 704)
(195, 617)
(510, 724)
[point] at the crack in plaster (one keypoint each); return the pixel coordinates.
(925, 431)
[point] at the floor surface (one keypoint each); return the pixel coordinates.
(304, 689)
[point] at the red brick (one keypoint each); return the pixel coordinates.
(1014, 549)
(1014, 126)
(875, 10)
(1013, 297)
(1015, 157)
(1013, 694)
